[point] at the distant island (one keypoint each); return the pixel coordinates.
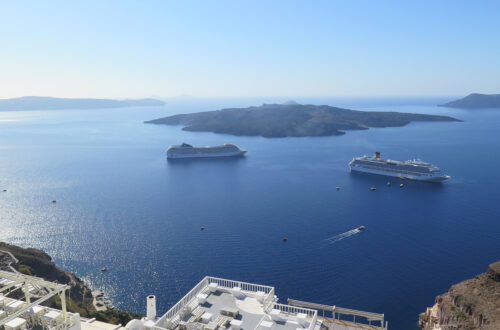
(54, 103)
(475, 101)
(291, 119)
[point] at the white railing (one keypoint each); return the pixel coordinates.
(172, 312)
(245, 286)
(168, 320)
(268, 299)
(294, 310)
(338, 312)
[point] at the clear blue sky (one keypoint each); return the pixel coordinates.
(248, 48)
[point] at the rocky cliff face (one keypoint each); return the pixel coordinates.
(38, 263)
(471, 304)
(80, 298)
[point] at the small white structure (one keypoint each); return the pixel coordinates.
(266, 325)
(16, 324)
(151, 308)
(236, 324)
(206, 317)
(276, 315)
(213, 287)
(14, 306)
(237, 293)
(302, 319)
(259, 295)
(202, 298)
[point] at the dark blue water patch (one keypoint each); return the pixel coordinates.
(121, 205)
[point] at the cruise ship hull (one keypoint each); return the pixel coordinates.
(238, 153)
(427, 177)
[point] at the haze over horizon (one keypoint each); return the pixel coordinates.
(248, 49)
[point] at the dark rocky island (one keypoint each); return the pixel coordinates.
(475, 101)
(80, 298)
(291, 119)
(471, 304)
(54, 103)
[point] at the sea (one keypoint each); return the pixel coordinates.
(120, 204)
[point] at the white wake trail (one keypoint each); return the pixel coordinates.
(340, 237)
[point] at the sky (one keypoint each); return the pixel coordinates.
(131, 49)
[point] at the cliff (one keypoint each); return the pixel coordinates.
(80, 298)
(471, 304)
(291, 119)
(475, 101)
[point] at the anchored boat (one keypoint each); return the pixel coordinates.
(186, 150)
(409, 169)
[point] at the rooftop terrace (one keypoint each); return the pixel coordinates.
(213, 304)
(220, 304)
(21, 299)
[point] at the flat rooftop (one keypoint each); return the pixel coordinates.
(221, 304)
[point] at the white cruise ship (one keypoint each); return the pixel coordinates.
(188, 151)
(410, 169)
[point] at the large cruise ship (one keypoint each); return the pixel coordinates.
(188, 151)
(410, 169)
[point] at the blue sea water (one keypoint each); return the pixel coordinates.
(121, 205)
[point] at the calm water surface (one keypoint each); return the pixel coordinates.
(120, 204)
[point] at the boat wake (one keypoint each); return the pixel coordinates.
(340, 237)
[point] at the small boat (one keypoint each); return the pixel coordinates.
(284, 239)
(401, 185)
(373, 189)
(388, 184)
(103, 269)
(202, 228)
(338, 188)
(361, 228)
(54, 201)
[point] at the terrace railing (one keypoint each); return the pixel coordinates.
(339, 313)
(294, 310)
(172, 312)
(169, 320)
(245, 286)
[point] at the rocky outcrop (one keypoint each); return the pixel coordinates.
(471, 304)
(38, 263)
(80, 299)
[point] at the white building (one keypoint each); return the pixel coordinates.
(213, 304)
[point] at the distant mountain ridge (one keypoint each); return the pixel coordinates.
(282, 120)
(475, 101)
(54, 103)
